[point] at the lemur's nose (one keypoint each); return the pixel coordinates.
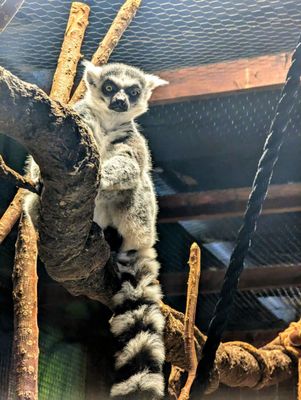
(119, 102)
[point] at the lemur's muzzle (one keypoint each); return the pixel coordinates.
(119, 102)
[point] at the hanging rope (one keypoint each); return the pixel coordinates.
(259, 191)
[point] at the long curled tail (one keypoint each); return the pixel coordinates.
(137, 325)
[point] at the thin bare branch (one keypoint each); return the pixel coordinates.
(174, 382)
(25, 296)
(11, 215)
(70, 52)
(18, 180)
(189, 320)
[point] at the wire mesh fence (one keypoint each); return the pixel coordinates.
(161, 36)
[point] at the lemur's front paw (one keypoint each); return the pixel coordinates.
(125, 257)
(105, 185)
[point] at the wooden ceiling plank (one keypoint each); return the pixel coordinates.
(263, 72)
(219, 204)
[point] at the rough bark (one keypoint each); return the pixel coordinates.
(75, 253)
(70, 52)
(11, 215)
(26, 333)
(110, 41)
(175, 382)
(189, 319)
(237, 364)
(69, 167)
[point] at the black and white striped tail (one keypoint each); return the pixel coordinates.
(137, 325)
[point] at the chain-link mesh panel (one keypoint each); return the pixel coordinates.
(273, 308)
(277, 240)
(253, 309)
(163, 35)
(62, 368)
(245, 117)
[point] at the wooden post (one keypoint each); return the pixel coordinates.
(189, 320)
(174, 383)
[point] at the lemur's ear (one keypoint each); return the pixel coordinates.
(92, 73)
(154, 81)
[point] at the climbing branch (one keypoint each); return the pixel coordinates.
(26, 334)
(110, 41)
(13, 212)
(70, 52)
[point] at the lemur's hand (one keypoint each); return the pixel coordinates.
(119, 173)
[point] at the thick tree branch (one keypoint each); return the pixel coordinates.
(69, 167)
(237, 364)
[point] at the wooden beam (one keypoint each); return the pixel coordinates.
(223, 78)
(218, 204)
(255, 278)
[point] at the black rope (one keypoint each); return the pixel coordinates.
(254, 206)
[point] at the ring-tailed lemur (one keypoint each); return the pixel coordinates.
(116, 95)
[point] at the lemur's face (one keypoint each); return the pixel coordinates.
(119, 88)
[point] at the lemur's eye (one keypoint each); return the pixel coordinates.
(109, 88)
(135, 92)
